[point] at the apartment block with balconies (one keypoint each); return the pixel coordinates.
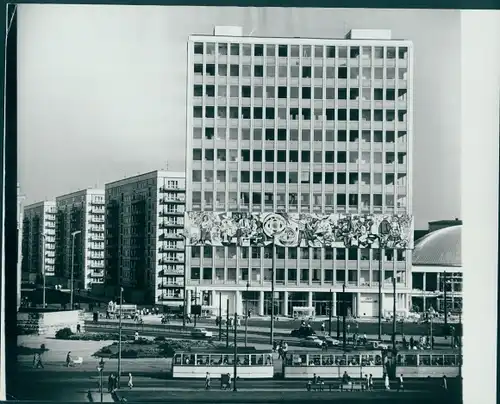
(80, 237)
(144, 237)
(38, 242)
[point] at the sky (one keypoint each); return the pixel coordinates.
(102, 90)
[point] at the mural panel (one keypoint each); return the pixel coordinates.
(299, 230)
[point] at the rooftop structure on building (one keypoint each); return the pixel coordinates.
(144, 238)
(298, 125)
(80, 238)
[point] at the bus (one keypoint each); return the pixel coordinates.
(250, 365)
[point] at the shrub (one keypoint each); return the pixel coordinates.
(64, 333)
(24, 350)
(129, 353)
(161, 338)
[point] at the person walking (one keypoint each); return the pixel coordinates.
(68, 359)
(444, 384)
(366, 383)
(370, 382)
(322, 327)
(401, 383)
(110, 382)
(130, 384)
(207, 381)
(387, 384)
(37, 361)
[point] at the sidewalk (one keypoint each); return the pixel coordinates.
(95, 397)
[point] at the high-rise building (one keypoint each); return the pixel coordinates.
(299, 125)
(20, 213)
(38, 242)
(144, 238)
(80, 238)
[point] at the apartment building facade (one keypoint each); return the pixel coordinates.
(80, 238)
(299, 125)
(144, 239)
(38, 242)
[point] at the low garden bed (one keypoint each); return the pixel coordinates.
(160, 347)
(26, 350)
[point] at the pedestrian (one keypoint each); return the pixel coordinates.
(387, 384)
(110, 382)
(130, 384)
(432, 342)
(366, 383)
(37, 361)
(412, 342)
(207, 381)
(322, 327)
(444, 383)
(68, 359)
(370, 382)
(401, 383)
(78, 329)
(136, 335)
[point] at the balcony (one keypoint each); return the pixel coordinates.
(168, 225)
(177, 296)
(97, 219)
(165, 201)
(166, 261)
(170, 285)
(97, 210)
(96, 230)
(172, 189)
(172, 236)
(96, 248)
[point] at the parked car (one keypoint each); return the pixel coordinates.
(377, 345)
(302, 332)
(201, 333)
(312, 341)
(329, 340)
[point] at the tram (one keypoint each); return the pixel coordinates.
(253, 365)
(412, 364)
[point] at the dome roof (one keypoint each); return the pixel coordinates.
(442, 247)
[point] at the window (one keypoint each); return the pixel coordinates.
(235, 49)
(283, 51)
(234, 71)
(258, 50)
(198, 48)
(306, 72)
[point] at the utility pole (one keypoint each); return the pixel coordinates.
(445, 279)
(273, 275)
(220, 316)
(120, 337)
(235, 369)
(330, 315)
(344, 336)
(339, 310)
(380, 251)
(394, 314)
(227, 323)
(246, 315)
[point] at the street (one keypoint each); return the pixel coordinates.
(58, 383)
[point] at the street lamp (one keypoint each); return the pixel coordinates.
(330, 315)
(43, 270)
(100, 369)
(235, 368)
(246, 315)
(73, 236)
(120, 338)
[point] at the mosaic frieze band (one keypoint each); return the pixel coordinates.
(299, 229)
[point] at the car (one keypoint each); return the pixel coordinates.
(312, 341)
(377, 345)
(329, 340)
(201, 333)
(302, 332)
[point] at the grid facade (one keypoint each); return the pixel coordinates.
(38, 241)
(298, 125)
(81, 211)
(144, 239)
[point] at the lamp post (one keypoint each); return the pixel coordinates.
(273, 274)
(120, 338)
(220, 316)
(380, 252)
(235, 368)
(73, 236)
(330, 315)
(100, 369)
(43, 272)
(246, 315)
(394, 314)
(344, 336)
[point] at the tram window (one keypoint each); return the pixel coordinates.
(378, 360)
(411, 360)
(400, 360)
(354, 360)
(314, 360)
(189, 360)
(202, 359)
(424, 360)
(301, 360)
(269, 360)
(230, 359)
(327, 360)
(225, 360)
(369, 360)
(177, 359)
(341, 360)
(437, 360)
(215, 360)
(450, 360)
(243, 360)
(459, 359)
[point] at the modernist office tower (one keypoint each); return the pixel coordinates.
(144, 244)
(80, 238)
(299, 125)
(39, 241)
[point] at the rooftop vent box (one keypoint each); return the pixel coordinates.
(381, 34)
(228, 31)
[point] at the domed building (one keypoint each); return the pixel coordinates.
(436, 264)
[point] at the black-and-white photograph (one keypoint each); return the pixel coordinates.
(228, 204)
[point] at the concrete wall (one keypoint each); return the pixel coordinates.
(48, 323)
